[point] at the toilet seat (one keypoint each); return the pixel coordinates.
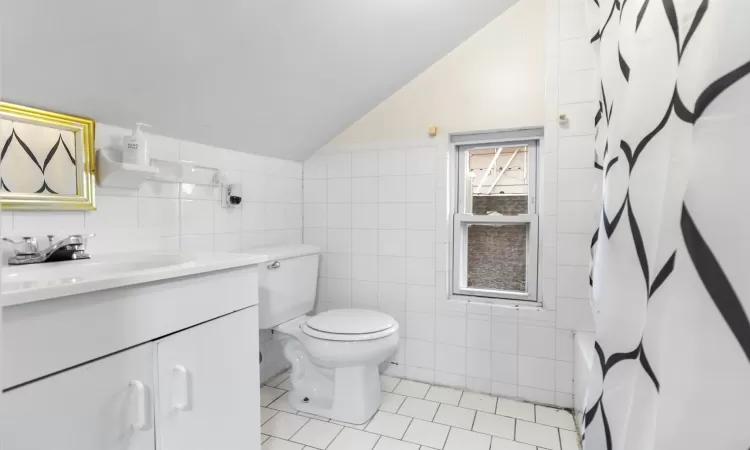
(350, 325)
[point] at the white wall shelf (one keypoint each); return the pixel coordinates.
(112, 172)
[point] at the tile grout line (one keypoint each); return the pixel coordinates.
(407, 428)
(337, 435)
(300, 429)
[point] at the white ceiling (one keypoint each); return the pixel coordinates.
(274, 77)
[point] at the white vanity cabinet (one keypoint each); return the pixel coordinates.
(163, 365)
(195, 389)
(208, 382)
(103, 405)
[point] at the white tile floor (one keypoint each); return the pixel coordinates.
(418, 416)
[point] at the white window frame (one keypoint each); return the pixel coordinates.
(462, 220)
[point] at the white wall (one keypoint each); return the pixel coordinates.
(572, 185)
(184, 217)
(494, 77)
(376, 199)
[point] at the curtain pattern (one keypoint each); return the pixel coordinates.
(671, 257)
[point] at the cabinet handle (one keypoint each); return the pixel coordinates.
(181, 371)
(140, 419)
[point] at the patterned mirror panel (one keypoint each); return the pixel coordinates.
(37, 159)
(46, 159)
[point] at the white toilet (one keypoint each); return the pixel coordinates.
(335, 354)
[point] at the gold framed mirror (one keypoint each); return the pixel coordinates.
(47, 160)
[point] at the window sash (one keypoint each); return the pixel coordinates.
(464, 192)
(460, 255)
(462, 220)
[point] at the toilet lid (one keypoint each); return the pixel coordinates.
(351, 322)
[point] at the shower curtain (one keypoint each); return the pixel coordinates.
(671, 257)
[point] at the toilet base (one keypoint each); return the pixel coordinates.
(353, 398)
(346, 394)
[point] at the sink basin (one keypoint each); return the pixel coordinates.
(15, 277)
(33, 282)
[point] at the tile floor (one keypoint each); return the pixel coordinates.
(418, 416)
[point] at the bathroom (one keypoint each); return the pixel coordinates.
(384, 225)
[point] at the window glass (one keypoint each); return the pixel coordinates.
(497, 181)
(496, 257)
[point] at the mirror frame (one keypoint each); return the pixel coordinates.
(84, 130)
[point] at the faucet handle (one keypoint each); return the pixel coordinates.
(27, 244)
(81, 238)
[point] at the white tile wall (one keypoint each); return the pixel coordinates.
(578, 185)
(572, 19)
(577, 86)
(580, 119)
(187, 217)
(573, 249)
(575, 54)
(577, 216)
(575, 152)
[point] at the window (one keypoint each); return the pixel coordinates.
(496, 225)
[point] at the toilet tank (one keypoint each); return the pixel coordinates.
(287, 283)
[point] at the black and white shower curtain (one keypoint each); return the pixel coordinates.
(671, 257)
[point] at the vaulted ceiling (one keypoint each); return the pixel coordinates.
(274, 77)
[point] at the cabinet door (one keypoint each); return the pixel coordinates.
(103, 405)
(209, 387)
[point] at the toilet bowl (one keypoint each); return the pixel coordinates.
(334, 355)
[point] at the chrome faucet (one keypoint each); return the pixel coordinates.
(68, 249)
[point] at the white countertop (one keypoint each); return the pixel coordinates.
(34, 282)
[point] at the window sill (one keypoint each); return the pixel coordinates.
(498, 302)
(522, 310)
